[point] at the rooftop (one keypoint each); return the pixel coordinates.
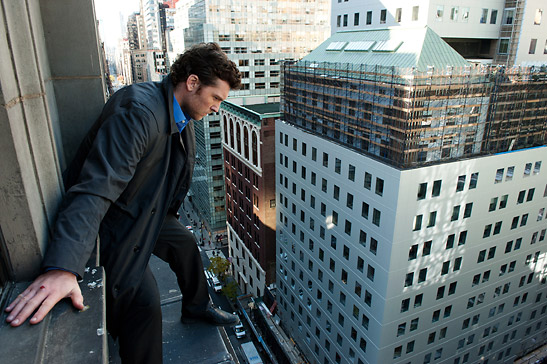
(403, 47)
(263, 109)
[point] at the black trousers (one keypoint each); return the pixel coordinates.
(140, 338)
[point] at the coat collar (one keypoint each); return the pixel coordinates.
(168, 90)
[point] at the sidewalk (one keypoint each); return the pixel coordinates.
(189, 214)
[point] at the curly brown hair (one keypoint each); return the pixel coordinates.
(208, 62)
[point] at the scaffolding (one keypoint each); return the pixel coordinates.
(409, 118)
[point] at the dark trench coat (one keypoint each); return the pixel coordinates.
(132, 168)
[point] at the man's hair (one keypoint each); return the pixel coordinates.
(208, 62)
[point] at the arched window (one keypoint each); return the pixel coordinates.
(238, 138)
(225, 130)
(255, 148)
(246, 142)
(231, 133)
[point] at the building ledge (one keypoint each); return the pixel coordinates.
(66, 335)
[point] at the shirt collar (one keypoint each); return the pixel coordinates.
(181, 119)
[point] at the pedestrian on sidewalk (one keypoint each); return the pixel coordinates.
(125, 185)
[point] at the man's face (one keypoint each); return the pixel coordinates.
(202, 100)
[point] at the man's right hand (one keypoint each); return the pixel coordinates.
(42, 295)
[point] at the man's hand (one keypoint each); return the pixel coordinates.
(43, 294)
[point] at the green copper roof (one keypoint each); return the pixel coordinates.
(402, 47)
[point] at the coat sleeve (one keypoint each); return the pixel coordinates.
(121, 142)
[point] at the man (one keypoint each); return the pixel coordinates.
(126, 184)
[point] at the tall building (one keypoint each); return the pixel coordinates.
(506, 32)
(256, 35)
(151, 14)
(248, 142)
(411, 203)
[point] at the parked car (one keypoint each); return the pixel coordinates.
(189, 227)
(239, 330)
(217, 286)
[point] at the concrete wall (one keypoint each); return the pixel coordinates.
(50, 91)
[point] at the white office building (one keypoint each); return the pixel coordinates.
(411, 204)
(504, 32)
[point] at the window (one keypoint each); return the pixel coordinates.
(462, 238)
(368, 181)
(533, 43)
(503, 201)
(409, 279)
(484, 15)
(364, 210)
(414, 324)
(376, 217)
(465, 15)
(369, 17)
(418, 300)
(405, 304)
(508, 15)
(356, 19)
(427, 248)
(503, 46)
(537, 167)
(468, 209)
(440, 12)
(436, 188)
(445, 268)
(370, 272)
(422, 276)
(363, 238)
(418, 222)
(493, 16)
(455, 213)
(415, 12)
(348, 227)
(422, 188)
(497, 227)
(493, 204)
(383, 16)
(413, 252)
(398, 13)
(537, 17)
(432, 219)
(474, 180)
(401, 329)
(349, 200)
(454, 13)
(527, 169)
(337, 164)
(379, 186)
(351, 173)
(499, 175)
(345, 23)
(373, 246)
(461, 183)
(450, 241)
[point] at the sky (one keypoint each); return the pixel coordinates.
(108, 14)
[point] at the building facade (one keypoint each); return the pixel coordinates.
(249, 167)
(410, 204)
(256, 35)
(507, 32)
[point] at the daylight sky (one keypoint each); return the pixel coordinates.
(108, 14)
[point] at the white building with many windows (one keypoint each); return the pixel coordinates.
(411, 205)
(504, 32)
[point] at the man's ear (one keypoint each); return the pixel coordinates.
(192, 82)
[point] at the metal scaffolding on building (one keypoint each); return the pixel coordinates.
(409, 118)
